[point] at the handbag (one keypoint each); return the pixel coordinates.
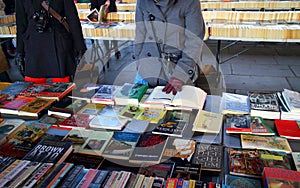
(57, 16)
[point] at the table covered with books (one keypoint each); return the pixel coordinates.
(134, 136)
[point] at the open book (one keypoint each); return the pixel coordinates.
(189, 98)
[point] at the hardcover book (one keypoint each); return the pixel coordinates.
(96, 143)
(130, 94)
(121, 145)
(292, 99)
(15, 88)
(50, 151)
(277, 177)
(232, 103)
(149, 149)
(57, 90)
(273, 143)
(209, 156)
(288, 128)
(238, 123)
(190, 98)
(208, 122)
(264, 104)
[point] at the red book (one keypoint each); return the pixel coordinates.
(57, 90)
(278, 177)
(77, 120)
(288, 128)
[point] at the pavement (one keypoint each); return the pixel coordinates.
(262, 67)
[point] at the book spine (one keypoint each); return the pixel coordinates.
(111, 179)
(98, 179)
(38, 175)
(87, 179)
(53, 173)
(63, 173)
(77, 181)
(72, 176)
(124, 180)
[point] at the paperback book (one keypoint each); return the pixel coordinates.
(15, 88)
(77, 121)
(232, 103)
(208, 122)
(66, 107)
(271, 143)
(277, 177)
(131, 111)
(238, 123)
(296, 159)
(289, 129)
(154, 115)
(11, 108)
(57, 90)
(33, 90)
(240, 181)
(107, 122)
(149, 149)
(121, 145)
(36, 108)
(105, 94)
(260, 127)
(78, 137)
(264, 104)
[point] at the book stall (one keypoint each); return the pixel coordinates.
(135, 136)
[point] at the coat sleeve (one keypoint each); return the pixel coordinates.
(21, 21)
(194, 34)
(75, 25)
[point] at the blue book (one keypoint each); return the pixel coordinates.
(239, 181)
(99, 179)
(15, 88)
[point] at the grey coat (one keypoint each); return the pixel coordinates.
(51, 53)
(178, 27)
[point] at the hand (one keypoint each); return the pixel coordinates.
(173, 85)
(20, 62)
(107, 3)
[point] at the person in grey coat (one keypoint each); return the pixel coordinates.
(44, 44)
(168, 42)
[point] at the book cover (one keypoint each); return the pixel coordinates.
(57, 90)
(9, 126)
(251, 162)
(33, 90)
(130, 94)
(93, 16)
(121, 145)
(149, 149)
(105, 94)
(4, 85)
(99, 179)
(231, 140)
(56, 133)
(292, 99)
(53, 119)
(136, 126)
(179, 150)
(23, 140)
(296, 159)
(107, 122)
(50, 151)
(213, 103)
(110, 110)
(264, 104)
(77, 121)
(190, 97)
(77, 137)
(238, 123)
(36, 107)
(288, 128)
(96, 143)
(131, 111)
(71, 176)
(209, 156)
(274, 143)
(91, 108)
(88, 161)
(208, 122)
(15, 88)
(66, 107)
(154, 115)
(187, 171)
(277, 177)
(12, 107)
(232, 103)
(162, 170)
(239, 181)
(260, 127)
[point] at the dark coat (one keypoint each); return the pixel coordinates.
(179, 29)
(97, 4)
(49, 54)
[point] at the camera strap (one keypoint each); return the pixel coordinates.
(57, 16)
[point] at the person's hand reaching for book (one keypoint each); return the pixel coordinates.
(173, 85)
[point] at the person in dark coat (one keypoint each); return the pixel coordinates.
(168, 42)
(44, 44)
(111, 6)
